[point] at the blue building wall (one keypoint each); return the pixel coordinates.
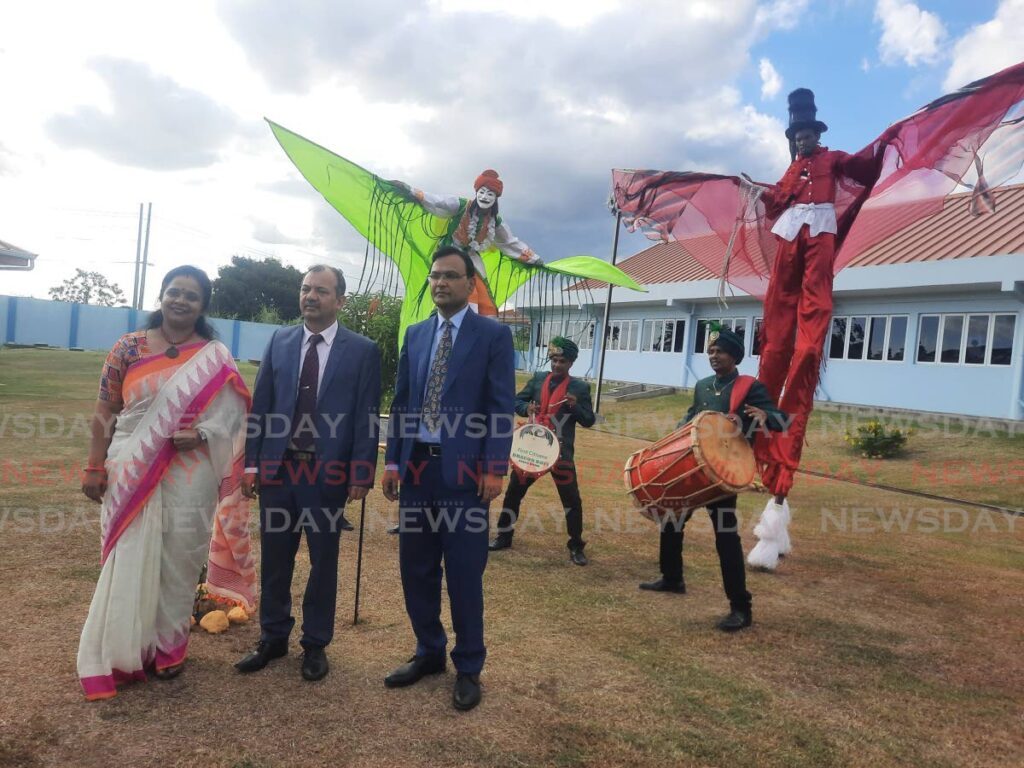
(60, 324)
(978, 390)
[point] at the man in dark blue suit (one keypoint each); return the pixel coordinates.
(449, 437)
(311, 447)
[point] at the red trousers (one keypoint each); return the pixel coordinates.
(797, 315)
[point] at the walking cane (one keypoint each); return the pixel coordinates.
(359, 559)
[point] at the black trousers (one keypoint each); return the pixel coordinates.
(564, 475)
(727, 542)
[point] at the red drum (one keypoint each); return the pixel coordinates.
(700, 463)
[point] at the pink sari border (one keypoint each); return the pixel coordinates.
(158, 467)
(100, 687)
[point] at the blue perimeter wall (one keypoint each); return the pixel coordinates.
(59, 324)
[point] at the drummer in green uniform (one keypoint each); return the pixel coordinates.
(756, 411)
(559, 402)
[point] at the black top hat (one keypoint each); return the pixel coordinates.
(803, 113)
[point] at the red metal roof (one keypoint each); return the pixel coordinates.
(949, 234)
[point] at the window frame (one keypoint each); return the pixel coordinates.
(962, 357)
(869, 320)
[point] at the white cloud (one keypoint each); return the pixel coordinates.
(771, 81)
(779, 14)
(909, 34)
(153, 123)
(987, 48)
(431, 91)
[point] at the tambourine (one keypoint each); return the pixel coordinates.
(535, 449)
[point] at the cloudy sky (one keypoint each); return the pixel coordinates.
(109, 104)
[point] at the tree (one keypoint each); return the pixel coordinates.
(378, 317)
(246, 287)
(89, 288)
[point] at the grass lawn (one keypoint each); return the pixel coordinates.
(890, 637)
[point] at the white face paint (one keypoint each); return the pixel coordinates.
(485, 197)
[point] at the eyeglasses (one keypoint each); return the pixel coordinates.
(448, 277)
(177, 293)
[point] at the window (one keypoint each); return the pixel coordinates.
(928, 338)
(877, 327)
(855, 348)
(878, 337)
(547, 330)
(952, 338)
(1002, 339)
(837, 341)
(897, 342)
(623, 335)
(736, 324)
(582, 332)
(976, 339)
(664, 335)
(755, 346)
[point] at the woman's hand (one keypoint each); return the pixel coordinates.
(187, 439)
(94, 484)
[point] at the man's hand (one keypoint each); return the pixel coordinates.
(757, 414)
(357, 492)
(389, 484)
(570, 400)
(531, 409)
(187, 439)
(489, 487)
(250, 484)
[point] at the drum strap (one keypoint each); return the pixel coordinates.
(740, 390)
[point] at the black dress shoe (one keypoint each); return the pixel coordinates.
(678, 587)
(466, 693)
(577, 556)
(314, 664)
(735, 621)
(501, 541)
(417, 668)
(266, 651)
(345, 525)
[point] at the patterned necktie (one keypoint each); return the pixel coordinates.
(432, 399)
(305, 401)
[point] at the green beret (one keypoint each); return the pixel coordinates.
(727, 341)
(563, 346)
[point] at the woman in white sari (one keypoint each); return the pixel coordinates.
(165, 461)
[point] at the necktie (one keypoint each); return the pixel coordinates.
(432, 399)
(303, 432)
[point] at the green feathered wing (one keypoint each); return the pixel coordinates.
(403, 231)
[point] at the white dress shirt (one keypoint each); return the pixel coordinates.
(323, 350)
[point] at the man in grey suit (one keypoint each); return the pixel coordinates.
(311, 447)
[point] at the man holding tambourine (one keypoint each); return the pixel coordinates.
(555, 402)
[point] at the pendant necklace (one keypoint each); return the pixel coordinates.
(172, 351)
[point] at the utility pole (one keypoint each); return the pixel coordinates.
(145, 255)
(607, 312)
(138, 264)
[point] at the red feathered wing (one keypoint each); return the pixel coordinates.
(972, 139)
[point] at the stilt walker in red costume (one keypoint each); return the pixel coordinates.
(798, 303)
(785, 242)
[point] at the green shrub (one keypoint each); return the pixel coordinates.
(876, 441)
